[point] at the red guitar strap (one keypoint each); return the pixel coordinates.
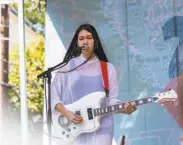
(104, 71)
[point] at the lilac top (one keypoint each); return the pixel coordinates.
(69, 87)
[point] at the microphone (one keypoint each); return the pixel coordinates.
(84, 47)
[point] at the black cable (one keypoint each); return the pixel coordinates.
(75, 67)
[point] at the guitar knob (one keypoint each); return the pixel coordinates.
(63, 132)
(74, 127)
(69, 129)
(67, 136)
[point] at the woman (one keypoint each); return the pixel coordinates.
(80, 76)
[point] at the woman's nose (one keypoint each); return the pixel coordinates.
(85, 41)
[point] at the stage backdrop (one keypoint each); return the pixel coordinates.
(144, 41)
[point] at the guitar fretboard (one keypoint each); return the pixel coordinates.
(118, 107)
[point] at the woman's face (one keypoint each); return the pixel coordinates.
(86, 38)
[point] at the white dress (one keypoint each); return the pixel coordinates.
(69, 87)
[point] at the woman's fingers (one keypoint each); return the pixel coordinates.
(77, 116)
(77, 119)
(128, 108)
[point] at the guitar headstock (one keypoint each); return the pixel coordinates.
(169, 97)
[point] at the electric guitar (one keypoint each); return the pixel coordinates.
(89, 107)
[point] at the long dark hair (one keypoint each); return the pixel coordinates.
(73, 50)
(98, 49)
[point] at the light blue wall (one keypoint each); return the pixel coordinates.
(139, 38)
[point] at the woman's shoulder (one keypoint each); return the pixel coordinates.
(110, 66)
(68, 65)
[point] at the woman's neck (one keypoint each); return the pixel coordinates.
(87, 56)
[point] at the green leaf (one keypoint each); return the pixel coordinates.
(34, 66)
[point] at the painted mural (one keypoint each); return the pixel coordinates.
(144, 41)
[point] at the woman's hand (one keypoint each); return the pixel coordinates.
(73, 117)
(128, 108)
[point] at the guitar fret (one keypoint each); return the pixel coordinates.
(113, 108)
(95, 112)
(110, 109)
(149, 100)
(120, 106)
(117, 107)
(138, 102)
(106, 109)
(141, 101)
(102, 110)
(99, 111)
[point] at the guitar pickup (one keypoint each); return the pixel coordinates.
(90, 113)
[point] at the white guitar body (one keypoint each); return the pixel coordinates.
(72, 131)
(89, 107)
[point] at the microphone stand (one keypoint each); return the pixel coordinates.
(47, 75)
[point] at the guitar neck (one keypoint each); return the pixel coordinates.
(118, 107)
